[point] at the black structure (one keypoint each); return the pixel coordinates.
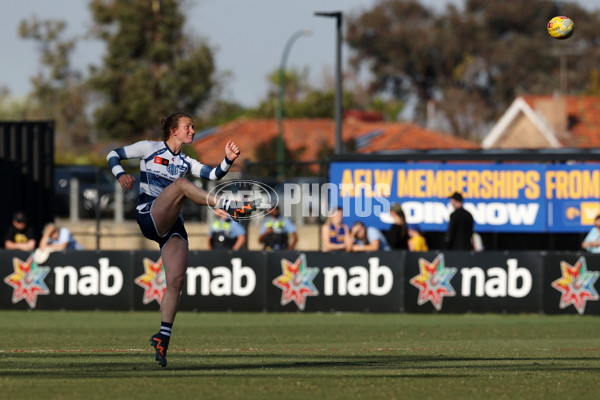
(27, 166)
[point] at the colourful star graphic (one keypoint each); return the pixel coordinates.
(153, 281)
(27, 281)
(296, 281)
(433, 282)
(576, 285)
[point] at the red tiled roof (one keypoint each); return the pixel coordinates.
(399, 136)
(583, 113)
(314, 134)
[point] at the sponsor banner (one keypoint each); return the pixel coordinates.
(571, 283)
(225, 281)
(218, 280)
(83, 280)
(315, 281)
(460, 282)
(450, 282)
(501, 197)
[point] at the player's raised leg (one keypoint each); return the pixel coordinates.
(167, 206)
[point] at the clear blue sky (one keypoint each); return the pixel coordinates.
(249, 36)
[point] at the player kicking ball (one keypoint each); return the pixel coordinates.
(163, 190)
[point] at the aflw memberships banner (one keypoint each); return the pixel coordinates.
(451, 282)
(501, 197)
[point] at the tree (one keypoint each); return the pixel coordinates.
(151, 68)
(266, 152)
(59, 92)
(301, 99)
(12, 108)
(472, 62)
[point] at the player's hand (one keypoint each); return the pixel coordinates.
(126, 182)
(232, 151)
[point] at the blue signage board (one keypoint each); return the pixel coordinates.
(524, 198)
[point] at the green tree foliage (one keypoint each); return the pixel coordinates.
(300, 99)
(266, 152)
(473, 62)
(59, 92)
(218, 112)
(151, 68)
(11, 108)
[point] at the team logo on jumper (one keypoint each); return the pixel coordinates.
(296, 281)
(434, 282)
(174, 169)
(153, 281)
(27, 281)
(576, 285)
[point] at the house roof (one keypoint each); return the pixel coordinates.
(583, 121)
(315, 134)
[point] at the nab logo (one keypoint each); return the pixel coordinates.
(152, 281)
(359, 281)
(106, 280)
(516, 282)
(576, 285)
(27, 281)
(239, 280)
(296, 281)
(434, 282)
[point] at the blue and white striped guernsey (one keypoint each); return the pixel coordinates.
(159, 167)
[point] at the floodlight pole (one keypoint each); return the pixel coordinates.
(339, 149)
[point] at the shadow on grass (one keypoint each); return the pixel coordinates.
(258, 364)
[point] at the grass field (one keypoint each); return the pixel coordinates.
(93, 355)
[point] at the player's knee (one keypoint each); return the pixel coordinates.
(182, 183)
(176, 282)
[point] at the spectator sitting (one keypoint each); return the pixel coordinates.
(416, 241)
(57, 239)
(277, 232)
(335, 235)
(226, 233)
(19, 236)
(366, 239)
(591, 242)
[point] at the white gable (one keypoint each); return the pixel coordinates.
(519, 106)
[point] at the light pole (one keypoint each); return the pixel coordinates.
(339, 149)
(284, 56)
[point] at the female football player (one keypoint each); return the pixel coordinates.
(163, 189)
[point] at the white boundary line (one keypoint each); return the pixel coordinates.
(247, 350)
(33, 351)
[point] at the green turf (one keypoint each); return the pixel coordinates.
(70, 355)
